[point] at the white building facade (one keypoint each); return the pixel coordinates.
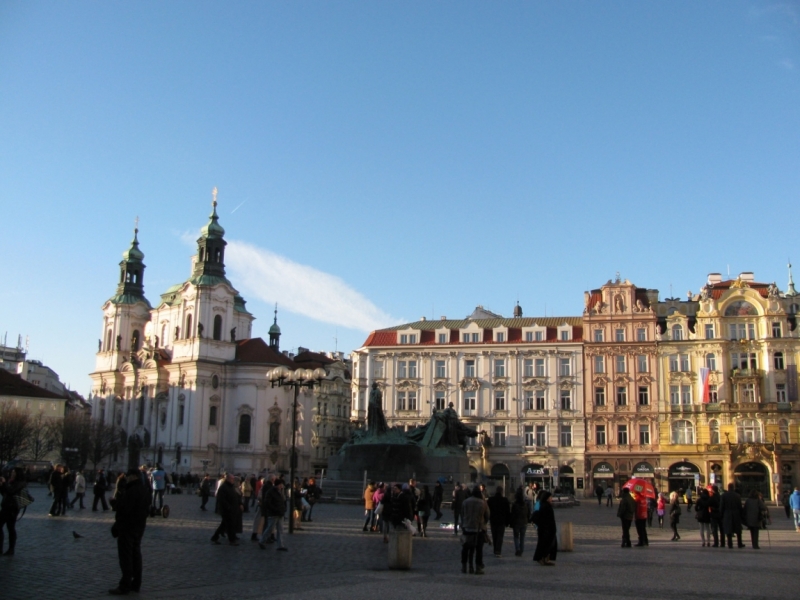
(518, 381)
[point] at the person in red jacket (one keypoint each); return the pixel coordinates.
(641, 520)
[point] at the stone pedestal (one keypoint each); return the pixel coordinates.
(565, 542)
(400, 549)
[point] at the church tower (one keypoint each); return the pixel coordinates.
(275, 333)
(209, 267)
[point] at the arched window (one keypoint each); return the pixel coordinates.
(188, 327)
(218, 255)
(109, 341)
(740, 308)
(749, 430)
(677, 332)
(202, 255)
(682, 432)
(218, 327)
(212, 416)
(711, 361)
(244, 429)
(783, 431)
(164, 334)
(713, 428)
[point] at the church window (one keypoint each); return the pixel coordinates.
(108, 341)
(135, 341)
(202, 255)
(212, 416)
(244, 429)
(188, 326)
(218, 255)
(141, 409)
(218, 327)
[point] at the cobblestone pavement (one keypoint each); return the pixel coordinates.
(333, 558)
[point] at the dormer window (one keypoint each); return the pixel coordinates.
(500, 335)
(565, 333)
(407, 337)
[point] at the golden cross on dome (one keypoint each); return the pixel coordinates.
(214, 195)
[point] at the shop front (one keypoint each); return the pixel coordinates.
(752, 476)
(538, 474)
(566, 480)
(603, 475)
(682, 476)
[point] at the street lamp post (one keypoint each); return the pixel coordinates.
(282, 377)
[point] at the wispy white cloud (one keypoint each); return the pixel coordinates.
(300, 289)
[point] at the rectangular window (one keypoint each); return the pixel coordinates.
(600, 435)
(499, 400)
(500, 336)
(713, 394)
(641, 363)
(565, 336)
(527, 367)
(469, 368)
(686, 394)
(441, 368)
(644, 435)
(412, 368)
(529, 404)
(377, 369)
(439, 401)
(776, 330)
(620, 365)
(563, 367)
(465, 338)
(751, 331)
(499, 436)
(565, 436)
(780, 392)
(539, 363)
(685, 363)
(541, 401)
(402, 369)
(566, 400)
(744, 360)
(598, 335)
(212, 416)
(619, 335)
(641, 334)
(622, 396)
(674, 395)
(442, 338)
(622, 435)
(528, 437)
(673, 363)
(709, 331)
(412, 400)
(748, 392)
(469, 402)
(599, 396)
(644, 395)
(538, 336)
(476, 338)
(528, 336)
(541, 436)
(401, 401)
(499, 367)
(778, 361)
(181, 413)
(599, 364)
(403, 338)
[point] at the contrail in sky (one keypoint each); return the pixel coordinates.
(238, 207)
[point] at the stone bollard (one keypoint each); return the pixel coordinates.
(565, 543)
(400, 549)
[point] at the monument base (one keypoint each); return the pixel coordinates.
(395, 462)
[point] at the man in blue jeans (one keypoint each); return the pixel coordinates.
(158, 480)
(274, 509)
(794, 504)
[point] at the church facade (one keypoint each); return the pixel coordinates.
(187, 384)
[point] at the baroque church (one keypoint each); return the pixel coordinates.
(187, 384)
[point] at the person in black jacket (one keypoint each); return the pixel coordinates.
(499, 517)
(229, 507)
(130, 520)
(56, 484)
(99, 490)
(730, 507)
(438, 496)
(273, 507)
(402, 505)
(9, 508)
(716, 517)
(545, 521)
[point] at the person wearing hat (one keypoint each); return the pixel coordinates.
(130, 519)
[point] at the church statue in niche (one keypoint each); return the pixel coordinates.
(274, 433)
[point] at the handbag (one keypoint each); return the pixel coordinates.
(23, 499)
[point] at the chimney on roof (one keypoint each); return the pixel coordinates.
(300, 350)
(714, 278)
(747, 276)
(423, 318)
(443, 318)
(517, 311)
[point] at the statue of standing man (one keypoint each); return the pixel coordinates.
(376, 421)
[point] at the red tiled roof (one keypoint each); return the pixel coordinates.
(312, 360)
(388, 337)
(719, 289)
(257, 351)
(12, 384)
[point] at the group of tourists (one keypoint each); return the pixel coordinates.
(401, 505)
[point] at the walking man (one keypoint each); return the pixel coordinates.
(80, 490)
(626, 512)
(228, 506)
(158, 481)
(794, 504)
(274, 509)
(99, 490)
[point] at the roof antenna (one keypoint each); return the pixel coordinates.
(729, 271)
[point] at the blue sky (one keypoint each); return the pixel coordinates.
(381, 161)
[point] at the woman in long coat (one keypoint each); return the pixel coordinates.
(545, 521)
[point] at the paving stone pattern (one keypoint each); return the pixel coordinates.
(333, 558)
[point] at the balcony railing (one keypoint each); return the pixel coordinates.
(750, 373)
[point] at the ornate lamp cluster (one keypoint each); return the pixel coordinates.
(285, 377)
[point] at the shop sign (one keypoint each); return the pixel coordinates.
(603, 470)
